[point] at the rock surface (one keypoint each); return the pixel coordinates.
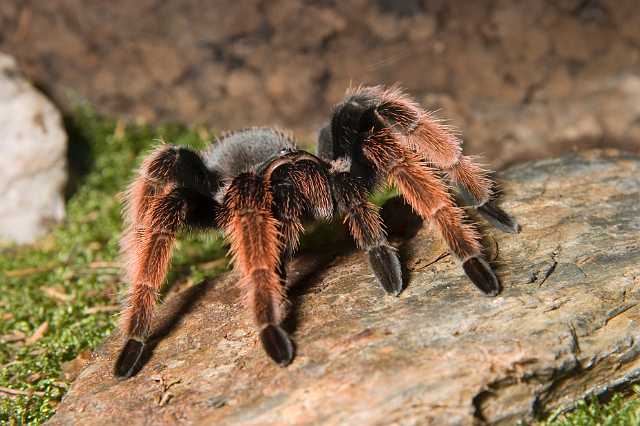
(521, 80)
(565, 325)
(33, 161)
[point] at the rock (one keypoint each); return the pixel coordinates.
(33, 160)
(564, 327)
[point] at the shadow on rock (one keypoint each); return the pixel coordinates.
(171, 317)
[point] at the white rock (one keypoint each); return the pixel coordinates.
(33, 147)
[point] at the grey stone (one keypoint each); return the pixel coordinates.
(33, 144)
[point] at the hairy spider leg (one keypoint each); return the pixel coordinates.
(300, 189)
(440, 146)
(256, 248)
(352, 180)
(429, 198)
(172, 190)
(365, 225)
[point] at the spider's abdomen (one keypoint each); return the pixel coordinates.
(245, 150)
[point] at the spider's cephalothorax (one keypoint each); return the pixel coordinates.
(258, 188)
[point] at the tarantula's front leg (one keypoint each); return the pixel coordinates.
(300, 189)
(171, 191)
(430, 199)
(442, 148)
(253, 232)
(366, 227)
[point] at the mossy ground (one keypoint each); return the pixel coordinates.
(70, 280)
(621, 410)
(60, 296)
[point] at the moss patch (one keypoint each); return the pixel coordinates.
(60, 297)
(621, 410)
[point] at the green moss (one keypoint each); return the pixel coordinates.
(103, 157)
(619, 411)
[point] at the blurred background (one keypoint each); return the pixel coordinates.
(86, 86)
(520, 79)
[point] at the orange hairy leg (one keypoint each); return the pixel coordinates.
(429, 198)
(300, 189)
(366, 227)
(256, 247)
(441, 147)
(172, 190)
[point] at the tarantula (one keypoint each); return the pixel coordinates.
(258, 188)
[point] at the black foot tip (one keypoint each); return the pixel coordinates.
(499, 218)
(128, 361)
(386, 267)
(480, 273)
(277, 344)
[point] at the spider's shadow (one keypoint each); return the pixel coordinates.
(401, 224)
(171, 317)
(80, 158)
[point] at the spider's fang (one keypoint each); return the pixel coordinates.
(499, 218)
(277, 344)
(128, 361)
(479, 271)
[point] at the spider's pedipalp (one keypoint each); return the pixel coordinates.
(300, 189)
(172, 190)
(288, 207)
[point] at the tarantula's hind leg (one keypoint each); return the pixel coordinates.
(253, 232)
(429, 198)
(147, 247)
(436, 142)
